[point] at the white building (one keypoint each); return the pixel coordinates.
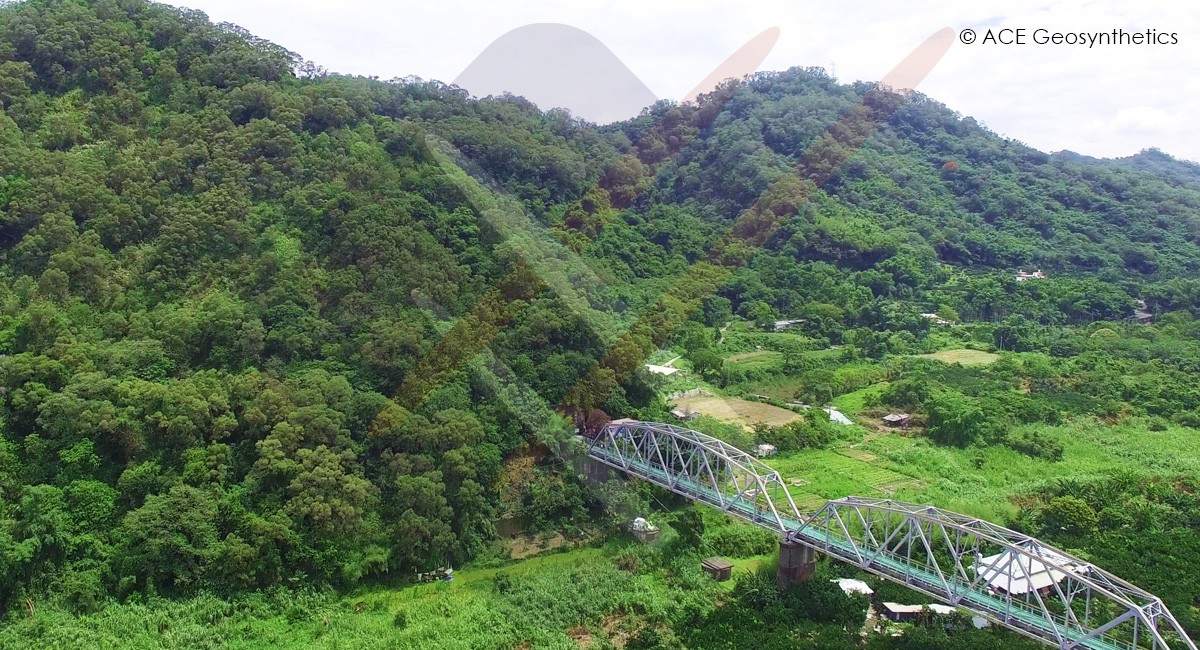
(836, 415)
(764, 450)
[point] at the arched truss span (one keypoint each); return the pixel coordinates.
(1008, 577)
(1005, 576)
(699, 467)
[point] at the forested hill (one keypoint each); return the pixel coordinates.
(930, 177)
(217, 264)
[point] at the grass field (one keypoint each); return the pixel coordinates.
(826, 474)
(963, 356)
(855, 402)
(764, 359)
(737, 411)
(780, 388)
(913, 469)
(757, 355)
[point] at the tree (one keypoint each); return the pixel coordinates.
(707, 363)
(170, 542)
(956, 419)
(1068, 515)
(689, 524)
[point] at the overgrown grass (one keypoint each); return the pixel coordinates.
(983, 481)
(963, 356)
(858, 401)
(544, 602)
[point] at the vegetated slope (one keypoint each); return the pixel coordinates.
(217, 265)
(932, 211)
(977, 199)
(213, 272)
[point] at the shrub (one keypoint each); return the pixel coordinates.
(1070, 515)
(742, 541)
(1036, 445)
(1189, 419)
(503, 582)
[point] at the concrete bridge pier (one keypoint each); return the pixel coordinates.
(796, 563)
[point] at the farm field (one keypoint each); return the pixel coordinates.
(757, 355)
(963, 356)
(737, 411)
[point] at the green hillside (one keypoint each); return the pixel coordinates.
(270, 334)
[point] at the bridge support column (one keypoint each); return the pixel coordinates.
(796, 563)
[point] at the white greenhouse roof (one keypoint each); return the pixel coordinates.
(1016, 573)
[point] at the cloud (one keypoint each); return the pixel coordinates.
(1145, 119)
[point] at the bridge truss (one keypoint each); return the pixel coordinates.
(1005, 576)
(1010, 578)
(699, 467)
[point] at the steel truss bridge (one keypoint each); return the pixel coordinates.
(1007, 577)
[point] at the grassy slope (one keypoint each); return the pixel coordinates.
(913, 469)
(963, 356)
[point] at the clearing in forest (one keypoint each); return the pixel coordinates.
(963, 356)
(757, 354)
(737, 411)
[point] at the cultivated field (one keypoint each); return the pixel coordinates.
(963, 356)
(737, 411)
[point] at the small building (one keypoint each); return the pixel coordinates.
(665, 371)
(1022, 276)
(936, 319)
(901, 613)
(684, 413)
(1140, 315)
(643, 530)
(897, 420)
(764, 450)
(907, 613)
(440, 574)
(781, 325)
(938, 608)
(718, 567)
(850, 586)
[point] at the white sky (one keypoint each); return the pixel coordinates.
(1104, 101)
